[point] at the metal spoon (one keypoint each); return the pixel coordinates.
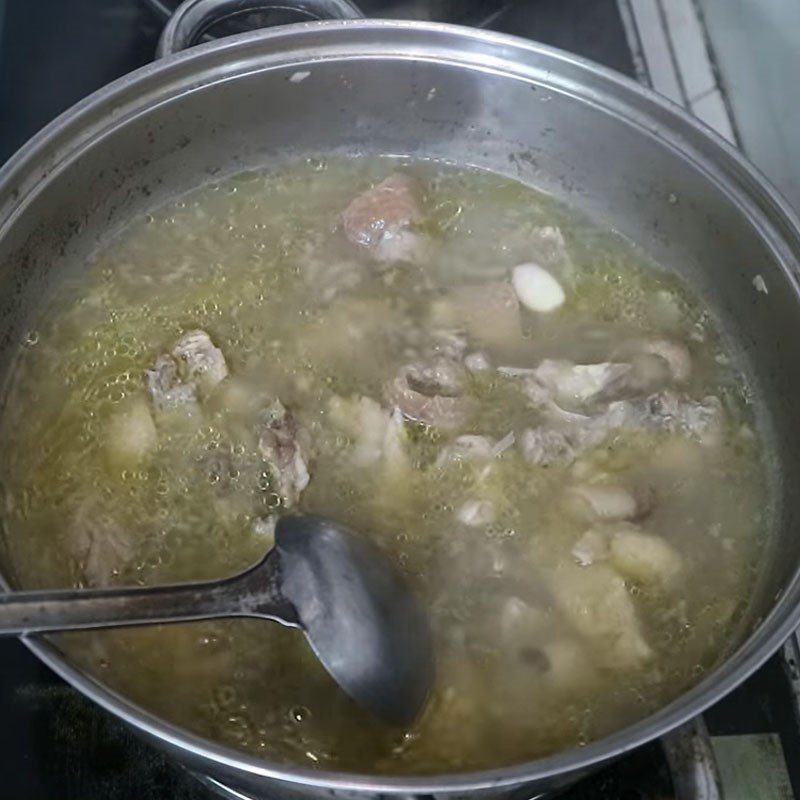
(353, 605)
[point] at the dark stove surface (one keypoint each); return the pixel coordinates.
(56, 745)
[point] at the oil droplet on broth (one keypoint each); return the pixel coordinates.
(299, 714)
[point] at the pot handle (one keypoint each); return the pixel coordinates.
(192, 18)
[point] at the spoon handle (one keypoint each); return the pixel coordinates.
(85, 609)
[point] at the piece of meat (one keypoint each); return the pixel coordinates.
(131, 435)
(630, 551)
(645, 368)
(668, 412)
(596, 602)
(190, 371)
(166, 389)
(380, 220)
(542, 388)
(545, 446)
(100, 544)
(643, 557)
(377, 433)
(609, 502)
(430, 392)
(541, 398)
(648, 373)
(440, 376)
(577, 385)
(200, 362)
(285, 446)
(676, 414)
(566, 435)
(582, 387)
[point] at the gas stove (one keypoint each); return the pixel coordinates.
(55, 744)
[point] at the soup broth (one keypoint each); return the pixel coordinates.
(542, 428)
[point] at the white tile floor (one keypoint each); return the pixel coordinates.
(648, 38)
(756, 45)
(735, 65)
(685, 32)
(672, 56)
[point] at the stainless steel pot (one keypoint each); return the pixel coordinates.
(601, 143)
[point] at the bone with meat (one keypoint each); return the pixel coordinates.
(285, 446)
(431, 392)
(582, 386)
(190, 371)
(380, 220)
(566, 435)
(568, 384)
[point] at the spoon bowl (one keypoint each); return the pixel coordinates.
(352, 603)
(358, 614)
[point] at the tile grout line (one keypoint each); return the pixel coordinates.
(634, 43)
(672, 53)
(648, 40)
(696, 98)
(715, 71)
(643, 65)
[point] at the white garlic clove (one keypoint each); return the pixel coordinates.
(536, 288)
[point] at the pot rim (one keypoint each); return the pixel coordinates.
(29, 169)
